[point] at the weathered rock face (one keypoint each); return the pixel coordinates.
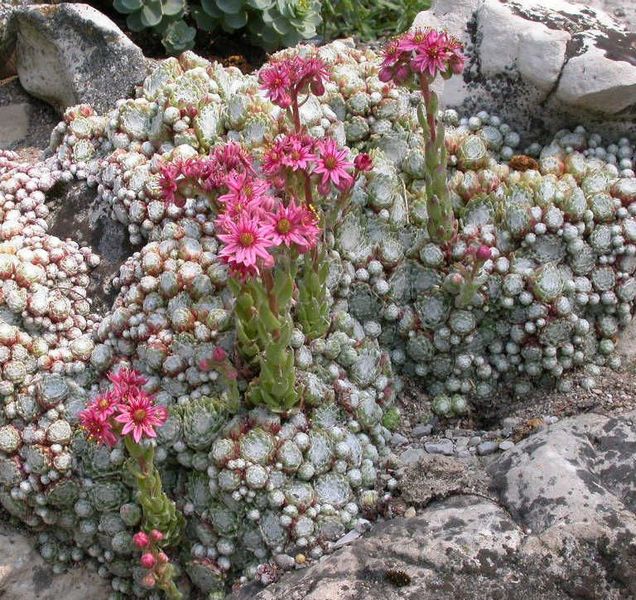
(541, 66)
(77, 214)
(25, 122)
(553, 518)
(7, 41)
(25, 575)
(69, 54)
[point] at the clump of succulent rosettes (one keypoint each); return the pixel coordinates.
(272, 462)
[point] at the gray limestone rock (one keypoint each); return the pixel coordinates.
(69, 54)
(556, 522)
(542, 66)
(25, 575)
(76, 214)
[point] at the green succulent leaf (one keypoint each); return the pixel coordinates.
(204, 20)
(151, 13)
(260, 4)
(211, 8)
(127, 6)
(230, 7)
(134, 22)
(281, 26)
(178, 37)
(172, 7)
(237, 21)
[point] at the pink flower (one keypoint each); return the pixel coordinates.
(363, 162)
(244, 191)
(246, 244)
(126, 380)
(315, 72)
(105, 404)
(457, 58)
(421, 52)
(223, 160)
(293, 225)
(284, 79)
(414, 40)
(297, 152)
(275, 79)
(333, 165)
(97, 426)
(431, 54)
(141, 540)
(147, 560)
(170, 174)
(140, 416)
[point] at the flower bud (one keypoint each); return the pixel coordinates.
(149, 581)
(317, 87)
(219, 354)
(385, 75)
(363, 162)
(140, 539)
(156, 535)
(483, 253)
(147, 560)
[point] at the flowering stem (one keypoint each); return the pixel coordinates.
(159, 511)
(430, 109)
(296, 112)
(441, 217)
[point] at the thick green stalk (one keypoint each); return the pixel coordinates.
(264, 326)
(312, 309)
(441, 218)
(159, 512)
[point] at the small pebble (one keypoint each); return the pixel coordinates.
(412, 456)
(442, 447)
(473, 441)
(422, 430)
(487, 448)
(410, 512)
(506, 445)
(461, 443)
(397, 439)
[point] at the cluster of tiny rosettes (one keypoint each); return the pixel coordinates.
(422, 52)
(125, 410)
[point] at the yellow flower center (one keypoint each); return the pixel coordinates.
(283, 226)
(139, 415)
(246, 239)
(331, 162)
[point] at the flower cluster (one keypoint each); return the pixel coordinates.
(424, 53)
(283, 80)
(153, 559)
(125, 410)
(254, 223)
(179, 179)
(324, 159)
